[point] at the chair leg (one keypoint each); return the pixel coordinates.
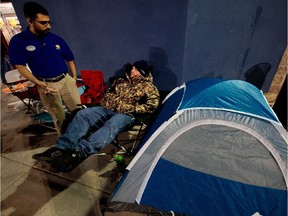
(130, 150)
(116, 143)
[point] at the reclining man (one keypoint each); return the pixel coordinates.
(127, 97)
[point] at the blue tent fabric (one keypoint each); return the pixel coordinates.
(209, 201)
(214, 95)
(215, 148)
(224, 94)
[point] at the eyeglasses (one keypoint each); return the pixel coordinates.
(44, 23)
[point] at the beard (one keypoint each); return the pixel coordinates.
(42, 33)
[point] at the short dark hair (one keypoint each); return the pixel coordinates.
(31, 9)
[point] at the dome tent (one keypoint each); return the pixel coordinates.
(215, 148)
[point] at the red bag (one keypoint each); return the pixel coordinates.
(94, 86)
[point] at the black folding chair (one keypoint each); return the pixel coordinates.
(22, 88)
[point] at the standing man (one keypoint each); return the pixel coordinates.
(49, 57)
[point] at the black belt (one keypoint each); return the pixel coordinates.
(54, 79)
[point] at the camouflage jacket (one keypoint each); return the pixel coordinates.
(132, 96)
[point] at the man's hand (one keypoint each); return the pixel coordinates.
(41, 84)
(50, 90)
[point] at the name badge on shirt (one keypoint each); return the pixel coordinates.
(30, 48)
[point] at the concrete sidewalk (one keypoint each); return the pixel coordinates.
(29, 188)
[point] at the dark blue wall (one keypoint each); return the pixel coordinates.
(182, 39)
(226, 38)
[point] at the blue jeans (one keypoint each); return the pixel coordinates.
(106, 126)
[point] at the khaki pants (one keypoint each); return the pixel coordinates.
(65, 91)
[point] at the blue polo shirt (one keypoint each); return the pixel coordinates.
(46, 57)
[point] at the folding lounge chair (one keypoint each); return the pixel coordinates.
(91, 87)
